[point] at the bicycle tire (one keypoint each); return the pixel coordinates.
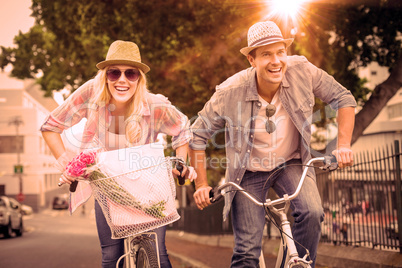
(146, 255)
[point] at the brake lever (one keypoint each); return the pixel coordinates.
(330, 163)
(215, 195)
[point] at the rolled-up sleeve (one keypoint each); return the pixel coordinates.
(208, 122)
(329, 90)
(169, 120)
(71, 111)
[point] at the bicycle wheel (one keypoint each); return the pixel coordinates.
(146, 255)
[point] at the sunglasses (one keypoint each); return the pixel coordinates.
(270, 125)
(130, 74)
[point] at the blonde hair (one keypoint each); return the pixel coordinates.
(133, 114)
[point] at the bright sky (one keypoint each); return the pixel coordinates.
(14, 17)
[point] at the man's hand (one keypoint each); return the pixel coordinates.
(344, 156)
(201, 197)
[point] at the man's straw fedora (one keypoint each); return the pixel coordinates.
(262, 34)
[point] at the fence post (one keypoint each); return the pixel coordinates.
(398, 191)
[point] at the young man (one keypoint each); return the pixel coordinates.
(267, 112)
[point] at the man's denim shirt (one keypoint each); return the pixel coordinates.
(235, 105)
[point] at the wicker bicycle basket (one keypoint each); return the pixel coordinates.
(139, 200)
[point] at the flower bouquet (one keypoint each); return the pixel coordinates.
(134, 196)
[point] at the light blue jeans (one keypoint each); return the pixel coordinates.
(112, 249)
(248, 219)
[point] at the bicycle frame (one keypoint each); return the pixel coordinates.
(132, 244)
(131, 247)
(292, 259)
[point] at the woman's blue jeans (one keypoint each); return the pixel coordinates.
(113, 249)
(248, 219)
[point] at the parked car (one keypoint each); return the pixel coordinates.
(10, 217)
(60, 202)
(26, 210)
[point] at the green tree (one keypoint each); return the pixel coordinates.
(193, 45)
(349, 35)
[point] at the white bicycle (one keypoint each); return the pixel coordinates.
(141, 250)
(288, 256)
(135, 196)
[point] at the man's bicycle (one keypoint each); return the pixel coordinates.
(288, 256)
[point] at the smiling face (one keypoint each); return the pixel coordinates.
(270, 62)
(122, 89)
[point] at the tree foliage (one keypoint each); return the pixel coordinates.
(193, 45)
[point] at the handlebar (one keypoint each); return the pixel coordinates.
(329, 162)
(179, 166)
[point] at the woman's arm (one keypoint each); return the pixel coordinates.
(55, 143)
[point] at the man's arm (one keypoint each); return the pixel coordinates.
(201, 195)
(346, 123)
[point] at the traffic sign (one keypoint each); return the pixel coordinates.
(20, 197)
(18, 169)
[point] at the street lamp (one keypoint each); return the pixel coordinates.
(18, 168)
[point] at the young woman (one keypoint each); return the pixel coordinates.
(120, 113)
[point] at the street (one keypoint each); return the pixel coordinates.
(53, 239)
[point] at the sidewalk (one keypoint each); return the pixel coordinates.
(215, 252)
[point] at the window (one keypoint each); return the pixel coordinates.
(395, 110)
(11, 144)
(373, 72)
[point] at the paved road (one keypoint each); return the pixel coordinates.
(55, 239)
(194, 252)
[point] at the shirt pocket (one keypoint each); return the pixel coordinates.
(236, 137)
(307, 106)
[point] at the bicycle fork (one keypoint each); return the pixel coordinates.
(287, 250)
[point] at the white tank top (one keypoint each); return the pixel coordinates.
(115, 141)
(271, 150)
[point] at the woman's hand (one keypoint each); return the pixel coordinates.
(65, 179)
(188, 173)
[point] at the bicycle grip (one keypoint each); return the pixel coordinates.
(330, 162)
(181, 179)
(73, 186)
(215, 195)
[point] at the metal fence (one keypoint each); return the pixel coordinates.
(363, 203)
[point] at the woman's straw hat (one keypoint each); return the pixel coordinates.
(262, 34)
(123, 52)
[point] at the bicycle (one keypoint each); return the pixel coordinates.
(288, 256)
(136, 195)
(141, 250)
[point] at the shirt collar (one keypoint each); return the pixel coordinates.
(251, 85)
(146, 111)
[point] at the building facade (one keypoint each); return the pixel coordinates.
(26, 164)
(387, 126)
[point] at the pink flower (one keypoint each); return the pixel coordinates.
(77, 166)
